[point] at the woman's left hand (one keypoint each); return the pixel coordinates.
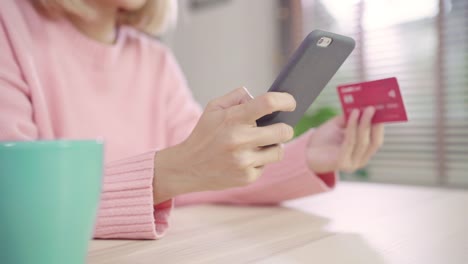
(347, 147)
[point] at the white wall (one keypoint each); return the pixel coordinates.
(228, 45)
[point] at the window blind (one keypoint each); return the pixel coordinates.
(424, 44)
(453, 33)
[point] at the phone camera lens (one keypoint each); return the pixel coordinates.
(324, 42)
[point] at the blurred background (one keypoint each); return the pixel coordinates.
(223, 44)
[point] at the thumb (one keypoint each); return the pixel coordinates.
(235, 97)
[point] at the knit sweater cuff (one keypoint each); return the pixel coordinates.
(126, 210)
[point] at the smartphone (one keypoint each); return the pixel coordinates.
(308, 71)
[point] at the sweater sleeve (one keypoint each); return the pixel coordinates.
(289, 179)
(126, 208)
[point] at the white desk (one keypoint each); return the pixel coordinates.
(356, 223)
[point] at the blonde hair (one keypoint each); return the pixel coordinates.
(153, 18)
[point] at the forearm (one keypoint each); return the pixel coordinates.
(170, 178)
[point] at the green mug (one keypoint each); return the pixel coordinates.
(49, 195)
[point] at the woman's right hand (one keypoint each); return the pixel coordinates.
(226, 148)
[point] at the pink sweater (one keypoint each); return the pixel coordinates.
(55, 83)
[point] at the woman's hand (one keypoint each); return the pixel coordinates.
(347, 147)
(226, 148)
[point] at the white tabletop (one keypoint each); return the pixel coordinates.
(356, 223)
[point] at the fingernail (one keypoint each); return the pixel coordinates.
(248, 93)
(294, 107)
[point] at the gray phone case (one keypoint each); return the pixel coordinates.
(308, 71)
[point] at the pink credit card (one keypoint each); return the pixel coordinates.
(383, 94)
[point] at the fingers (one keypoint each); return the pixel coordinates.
(376, 141)
(247, 97)
(235, 97)
(252, 174)
(340, 121)
(349, 143)
(268, 155)
(265, 104)
(253, 138)
(273, 134)
(362, 140)
(363, 136)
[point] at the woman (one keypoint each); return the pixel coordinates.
(85, 69)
